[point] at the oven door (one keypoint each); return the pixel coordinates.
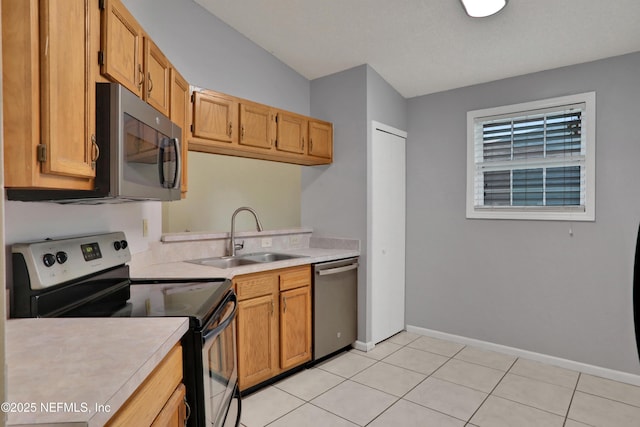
(220, 373)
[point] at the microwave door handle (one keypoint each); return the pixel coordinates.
(163, 182)
(178, 171)
(174, 182)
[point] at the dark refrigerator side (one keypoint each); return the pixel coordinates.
(636, 292)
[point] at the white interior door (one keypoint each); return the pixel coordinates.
(387, 175)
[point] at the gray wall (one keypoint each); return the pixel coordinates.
(334, 197)
(527, 284)
(384, 103)
(211, 54)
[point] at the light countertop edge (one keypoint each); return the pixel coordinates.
(47, 361)
(183, 269)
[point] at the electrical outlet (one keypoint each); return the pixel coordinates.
(145, 227)
(294, 240)
(266, 242)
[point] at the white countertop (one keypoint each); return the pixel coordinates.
(80, 371)
(186, 269)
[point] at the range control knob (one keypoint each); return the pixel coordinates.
(48, 260)
(61, 257)
(117, 245)
(124, 244)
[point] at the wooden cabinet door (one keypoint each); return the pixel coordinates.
(121, 50)
(292, 133)
(48, 81)
(179, 113)
(149, 399)
(157, 77)
(320, 139)
(257, 125)
(295, 327)
(174, 412)
(67, 88)
(257, 340)
(215, 117)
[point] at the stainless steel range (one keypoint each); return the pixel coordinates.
(88, 277)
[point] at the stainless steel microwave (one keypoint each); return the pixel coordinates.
(140, 156)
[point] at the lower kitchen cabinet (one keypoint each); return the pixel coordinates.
(174, 412)
(159, 401)
(273, 323)
(257, 340)
(295, 327)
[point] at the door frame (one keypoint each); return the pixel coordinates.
(375, 127)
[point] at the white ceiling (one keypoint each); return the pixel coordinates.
(427, 46)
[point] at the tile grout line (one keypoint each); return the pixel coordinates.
(468, 422)
(571, 400)
(410, 390)
(526, 404)
(492, 390)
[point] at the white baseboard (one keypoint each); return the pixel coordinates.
(611, 374)
(364, 346)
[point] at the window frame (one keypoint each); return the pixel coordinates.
(555, 213)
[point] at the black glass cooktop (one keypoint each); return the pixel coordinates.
(196, 299)
(193, 298)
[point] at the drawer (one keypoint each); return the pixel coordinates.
(255, 285)
(295, 277)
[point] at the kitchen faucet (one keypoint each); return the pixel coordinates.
(232, 249)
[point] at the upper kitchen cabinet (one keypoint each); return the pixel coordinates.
(224, 124)
(320, 139)
(157, 81)
(128, 56)
(122, 47)
(179, 114)
(215, 120)
(48, 79)
(257, 125)
(292, 133)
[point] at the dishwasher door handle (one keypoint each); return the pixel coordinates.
(338, 269)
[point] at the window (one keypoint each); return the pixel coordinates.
(533, 161)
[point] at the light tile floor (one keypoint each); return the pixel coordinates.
(412, 380)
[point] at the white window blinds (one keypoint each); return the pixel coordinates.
(533, 160)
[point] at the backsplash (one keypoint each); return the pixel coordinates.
(176, 247)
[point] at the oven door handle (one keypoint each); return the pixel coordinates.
(210, 330)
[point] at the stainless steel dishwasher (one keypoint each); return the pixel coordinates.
(335, 306)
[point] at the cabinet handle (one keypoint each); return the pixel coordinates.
(140, 76)
(310, 145)
(95, 151)
(188, 411)
(302, 144)
(150, 83)
(230, 129)
(242, 133)
(284, 301)
(272, 307)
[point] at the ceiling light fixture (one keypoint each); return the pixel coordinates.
(483, 8)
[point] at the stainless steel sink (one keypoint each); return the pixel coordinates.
(246, 259)
(268, 256)
(223, 262)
